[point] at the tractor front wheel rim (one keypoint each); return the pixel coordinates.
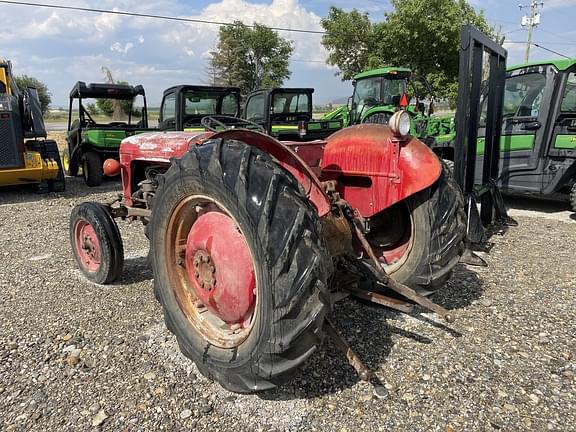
(211, 270)
(87, 245)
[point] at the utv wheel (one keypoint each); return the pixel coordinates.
(96, 242)
(70, 166)
(420, 240)
(573, 198)
(239, 265)
(92, 169)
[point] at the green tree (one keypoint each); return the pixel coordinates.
(108, 106)
(250, 58)
(24, 81)
(421, 34)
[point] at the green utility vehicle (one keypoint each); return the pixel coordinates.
(184, 106)
(286, 114)
(90, 142)
(379, 93)
(538, 136)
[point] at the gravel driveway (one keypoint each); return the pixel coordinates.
(77, 356)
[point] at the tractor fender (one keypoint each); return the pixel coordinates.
(288, 159)
(374, 169)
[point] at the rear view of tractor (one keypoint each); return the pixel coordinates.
(91, 142)
(247, 236)
(26, 156)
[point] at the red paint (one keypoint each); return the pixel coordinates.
(111, 167)
(84, 236)
(154, 147)
(397, 168)
(233, 298)
(289, 160)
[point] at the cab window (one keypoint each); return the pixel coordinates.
(169, 107)
(255, 108)
(230, 105)
(569, 98)
(523, 95)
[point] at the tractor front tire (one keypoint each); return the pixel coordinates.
(573, 198)
(264, 226)
(96, 242)
(92, 169)
(435, 222)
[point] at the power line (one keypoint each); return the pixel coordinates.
(142, 15)
(541, 47)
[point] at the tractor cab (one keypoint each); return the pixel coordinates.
(94, 136)
(184, 106)
(26, 156)
(286, 114)
(538, 138)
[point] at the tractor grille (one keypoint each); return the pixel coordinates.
(10, 156)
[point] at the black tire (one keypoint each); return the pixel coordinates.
(92, 169)
(71, 166)
(282, 231)
(111, 254)
(438, 227)
(59, 183)
(382, 118)
(573, 198)
(449, 165)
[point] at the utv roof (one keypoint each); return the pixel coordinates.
(286, 90)
(203, 88)
(388, 70)
(559, 64)
(105, 91)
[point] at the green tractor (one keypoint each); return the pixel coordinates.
(538, 136)
(379, 93)
(286, 114)
(91, 142)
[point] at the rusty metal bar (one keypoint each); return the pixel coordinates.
(364, 373)
(381, 300)
(397, 286)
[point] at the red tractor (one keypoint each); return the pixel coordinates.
(250, 237)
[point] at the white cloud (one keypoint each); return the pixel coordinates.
(278, 13)
(140, 39)
(122, 49)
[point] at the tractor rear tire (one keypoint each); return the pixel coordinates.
(280, 228)
(573, 198)
(438, 229)
(96, 242)
(92, 169)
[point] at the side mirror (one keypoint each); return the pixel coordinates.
(350, 104)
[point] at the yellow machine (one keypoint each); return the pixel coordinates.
(26, 156)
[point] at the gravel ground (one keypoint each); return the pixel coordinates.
(78, 356)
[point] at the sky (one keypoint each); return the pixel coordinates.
(62, 47)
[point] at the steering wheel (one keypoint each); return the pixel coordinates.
(218, 122)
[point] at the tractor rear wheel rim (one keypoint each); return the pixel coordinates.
(394, 244)
(87, 245)
(211, 271)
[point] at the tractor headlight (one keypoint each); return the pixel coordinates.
(400, 123)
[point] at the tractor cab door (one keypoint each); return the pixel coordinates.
(527, 102)
(255, 110)
(563, 135)
(167, 118)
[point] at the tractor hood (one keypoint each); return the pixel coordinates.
(159, 146)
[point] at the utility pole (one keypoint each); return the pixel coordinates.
(531, 21)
